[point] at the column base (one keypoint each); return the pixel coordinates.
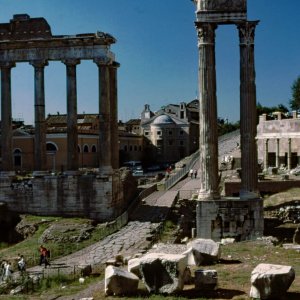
(208, 195)
(247, 195)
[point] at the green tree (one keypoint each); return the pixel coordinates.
(295, 101)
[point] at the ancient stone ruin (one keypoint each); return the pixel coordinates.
(98, 196)
(223, 217)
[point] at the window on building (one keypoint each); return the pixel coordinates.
(85, 148)
(135, 147)
(51, 147)
(181, 132)
(78, 149)
(94, 149)
(146, 132)
(170, 132)
(158, 133)
(17, 158)
(125, 148)
(140, 148)
(182, 115)
(130, 148)
(170, 142)
(181, 143)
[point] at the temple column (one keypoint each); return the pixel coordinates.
(289, 158)
(114, 115)
(277, 153)
(105, 142)
(248, 111)
(72, 130)
(266, 154)
(208, 135)
(6, 118)
(40, 159)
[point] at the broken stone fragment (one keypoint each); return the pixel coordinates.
(270, 281)
(163, 273)
(203, 252)
(120, 282)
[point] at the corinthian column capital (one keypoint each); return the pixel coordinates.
(206, 33)
(247, 32)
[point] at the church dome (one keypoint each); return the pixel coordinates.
(163, 119)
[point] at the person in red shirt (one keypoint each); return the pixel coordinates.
(44, 256)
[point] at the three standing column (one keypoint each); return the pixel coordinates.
(248, 111)
(72, 130)
(208, 134)
(6, 117)
(40, 159)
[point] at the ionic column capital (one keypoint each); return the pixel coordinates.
(71, 62)
(41, 63)
(206, 33)
(247, 32)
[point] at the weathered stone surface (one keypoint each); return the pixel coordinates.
(206, 279)
(203, 252)
(119, 281)
(163, 273)
(134, 266)
(269, 281)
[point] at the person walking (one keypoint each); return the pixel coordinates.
(44, 256)
(21, 263)
(8, 271)
(191, 173)
(195, 174)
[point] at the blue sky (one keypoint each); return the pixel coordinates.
(157, 49)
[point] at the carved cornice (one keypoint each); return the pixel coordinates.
(41, 63)
(71, 62)
(222, 5)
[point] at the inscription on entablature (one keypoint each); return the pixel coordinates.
(222, 5)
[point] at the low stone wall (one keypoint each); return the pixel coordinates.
(232, 188)
(90, 196)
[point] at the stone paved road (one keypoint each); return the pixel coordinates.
(134, 237)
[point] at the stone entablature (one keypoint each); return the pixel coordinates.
(221, 11)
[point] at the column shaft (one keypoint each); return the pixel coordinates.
(105, 145)
(248, 111)
(40, 159)
(114, 115)
(6, 117)
(72, 130)
(277, 153)
(208, 135)
(266, 154)
(289, 158)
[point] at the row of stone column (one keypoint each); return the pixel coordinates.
(108, 131)
(209, 179)
(266, 154)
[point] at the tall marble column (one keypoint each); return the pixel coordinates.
(114, 115)
(248, 111)
(105, 145)
(6, 117)
(72, 130)
(289, 158)
(277, 153)
(208, 135)
(40, 159)
(266, 154)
